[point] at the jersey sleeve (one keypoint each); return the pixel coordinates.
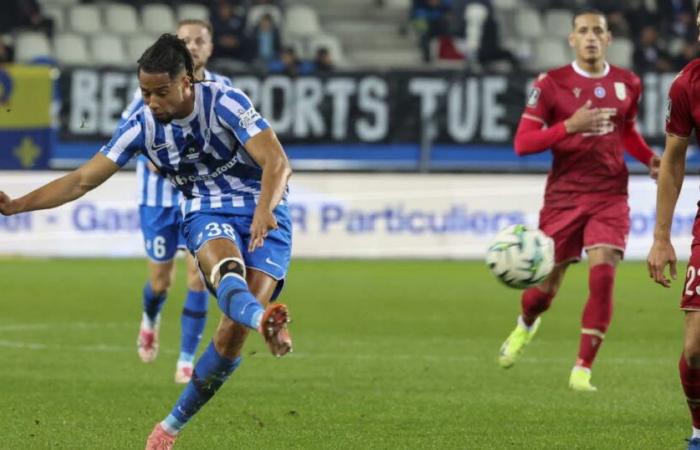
(126, 143)
(539, 101)
(679, 120)
(636, 88)
(236, 112)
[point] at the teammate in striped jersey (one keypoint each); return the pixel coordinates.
(211, 143)
(160, 225)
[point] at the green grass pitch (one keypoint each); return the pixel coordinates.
(388, 354)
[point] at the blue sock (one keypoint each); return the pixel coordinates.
(236, 301)
(152, 303)
(194, 318)
(211, 371)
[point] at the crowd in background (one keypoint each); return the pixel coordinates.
(664, 32)
(260, 44)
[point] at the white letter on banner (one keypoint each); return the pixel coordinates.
(372, 94)
(428, 89)
(83, 102)
(282, 123)
(308, 120)
(492, 110)
(463, 110)
(340, 89)
(251, 86)
(112, 104)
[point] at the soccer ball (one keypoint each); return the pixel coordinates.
(520, 256)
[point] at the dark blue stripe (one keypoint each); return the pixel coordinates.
(194, 314)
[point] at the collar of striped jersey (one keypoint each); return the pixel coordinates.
(583, 73)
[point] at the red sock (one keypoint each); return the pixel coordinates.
(534, 302)
(690, 380)
(597, 313)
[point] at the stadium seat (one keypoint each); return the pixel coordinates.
(85, 19)
(301, 21)
(30, 45)
(121, 18)
(192, 11)
(505, 5)
(71, 49)
(550, 53)
(108, 50)
(398, 4)
(330, 42)
(158, 18)
(136, 45)
(256, 13)
(58, 15)
(620, 52)
(57, 3)
(528, 23)
(558, 23)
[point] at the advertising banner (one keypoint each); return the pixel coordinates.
(339, 216)
(393, 107)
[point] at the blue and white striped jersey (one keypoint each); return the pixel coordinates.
(203, 154)
(153, 189)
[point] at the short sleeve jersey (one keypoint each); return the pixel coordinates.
(586, 165)
(683, 113)
(202, 155)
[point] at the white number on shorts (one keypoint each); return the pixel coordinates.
(690, 276)
(215, 230)
(159, 246)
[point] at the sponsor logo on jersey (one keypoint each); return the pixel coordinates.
(620, 91)
(599, 92)
(182, 180)
(249, 117)
(534, 97)
(668, 111)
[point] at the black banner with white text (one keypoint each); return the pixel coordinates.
(353, 108)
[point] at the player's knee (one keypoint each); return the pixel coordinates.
(691, 353)
(160, 284)
(227, 267)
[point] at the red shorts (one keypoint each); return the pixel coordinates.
(690, 299)
(586, 225)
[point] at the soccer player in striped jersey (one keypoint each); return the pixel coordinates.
(160, 224)
(208, 140)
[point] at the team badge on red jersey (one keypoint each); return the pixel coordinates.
(620, 91)
(599, 91)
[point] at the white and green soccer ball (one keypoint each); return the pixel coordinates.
(520, 256)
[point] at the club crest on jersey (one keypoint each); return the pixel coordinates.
(599, 92)
(620, 91)
(191, 154)
(577, 92)
(534, 97)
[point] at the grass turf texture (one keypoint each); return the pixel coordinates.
(388, 354)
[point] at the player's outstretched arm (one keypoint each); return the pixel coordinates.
(62, 190)
(266, 149)
(671, 174)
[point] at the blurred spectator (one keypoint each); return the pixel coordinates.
(228, 19)
(324, 61)
(678, 18)
(689, 52)
(267, 39)
(430, 19)
(6, 53)
(24, 14)
(648, 56)
(290, 64)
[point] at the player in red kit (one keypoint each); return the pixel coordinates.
(585, 113)
(682, 118)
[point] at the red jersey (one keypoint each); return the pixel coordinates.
(586, 165)
(683, 114)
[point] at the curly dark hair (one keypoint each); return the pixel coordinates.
(168, 54)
